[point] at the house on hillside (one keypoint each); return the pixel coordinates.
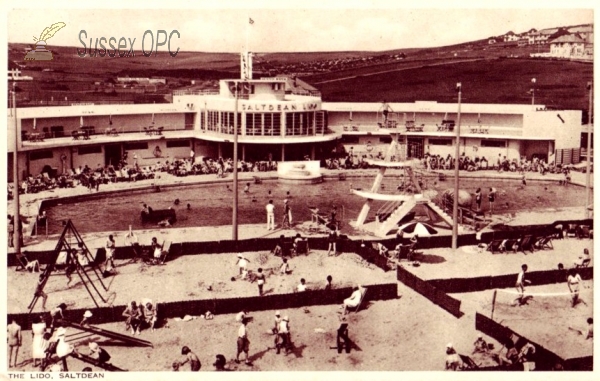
(585, 31)
(542, 36)
(511, 36)
(568, 46)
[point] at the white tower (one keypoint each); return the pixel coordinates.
(246, 65)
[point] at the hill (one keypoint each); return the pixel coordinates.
(560, 84)
(497, 73)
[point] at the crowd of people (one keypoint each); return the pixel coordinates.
(500, 164)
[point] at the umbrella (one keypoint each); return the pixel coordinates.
(418, 228)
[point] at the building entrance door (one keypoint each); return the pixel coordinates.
(112, 154)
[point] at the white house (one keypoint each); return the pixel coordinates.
(567, 46)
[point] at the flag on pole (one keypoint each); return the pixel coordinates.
(251, 21)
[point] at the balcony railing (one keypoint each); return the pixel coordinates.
(196, 92)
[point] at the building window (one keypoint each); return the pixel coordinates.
(253, 124)
(39, 155)
(178, 143)
(493, 143)
(385, 139)
(89, 150)
(350, 139)
(135, 146)
(440, 142)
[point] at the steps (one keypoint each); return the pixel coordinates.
(443, 215)
(392, 221)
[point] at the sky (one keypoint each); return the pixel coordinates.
(318, 26)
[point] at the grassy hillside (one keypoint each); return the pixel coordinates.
(560, 84)
(425, 74)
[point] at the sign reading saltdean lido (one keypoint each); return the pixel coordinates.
(279, 107)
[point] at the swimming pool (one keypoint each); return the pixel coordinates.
(211, 205)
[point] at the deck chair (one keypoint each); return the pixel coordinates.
(585, 263)
(494, 246)
(526, 244)
(26, 264)
(302, 247)
(585, 232)
(511, 245)
(286, 249)
(572, 230)
(362, 298)
(544, 243)
(467, 362)
(166, 248)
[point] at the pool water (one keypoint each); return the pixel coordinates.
(211, 205)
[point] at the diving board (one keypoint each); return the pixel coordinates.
(396, 206)
(389, 164)
(384, 196)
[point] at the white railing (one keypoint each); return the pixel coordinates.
(195, 92)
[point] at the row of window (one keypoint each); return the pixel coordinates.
(87, 150)
(264, 124)
(432, 141)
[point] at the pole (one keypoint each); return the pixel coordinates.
(456, 155)
(589, 156)
(17, 218)
(533, 92)
(493, 304)
(234, 222)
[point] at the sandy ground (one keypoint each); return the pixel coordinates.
(545, 319)
(188, 277)
(409, 333)
(467, 261)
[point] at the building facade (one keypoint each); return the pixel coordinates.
(277, 120)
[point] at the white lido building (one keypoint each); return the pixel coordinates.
(280, 119)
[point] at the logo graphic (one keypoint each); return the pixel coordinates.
(40, 53)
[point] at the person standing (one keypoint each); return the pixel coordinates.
(573, 281)
(15, 340)
(284, 335)
(63, 349)
(332, 239)
(192, 156)
(342, 340)
(110, 252)
(190, 357)
(478, 197)
(131, 240)
(287, 212)
(11, 230)
(275, 328)
(260, 280)
(492, 199)
(270, 215)
(39, 343)
(520, 286)
(243, 344)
